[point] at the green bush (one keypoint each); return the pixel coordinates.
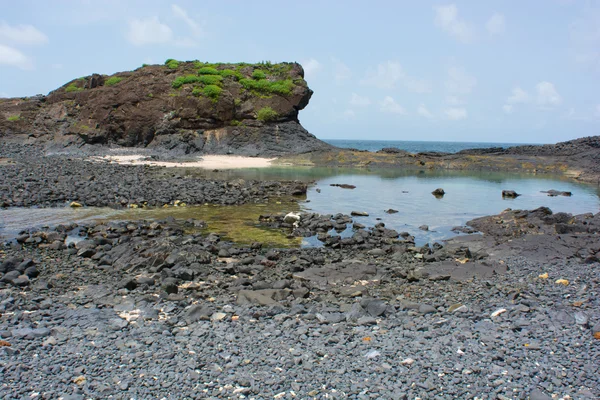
(14, 118)
(113, 80)
(213, 92)
(229, 72)
(259, 74)
(208, 71)
(172, 64)
(267, 114)
(197, 92)
(210, 79)
(182, 80)
(235, 122)
(73, 88)
(282, 87)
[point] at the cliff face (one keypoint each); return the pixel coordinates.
(248, 109)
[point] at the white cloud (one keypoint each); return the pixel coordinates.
(14, 58)
(389, 74)
(148, 31)
(341, 71)
(349, 114)
(518, 96)
(183, 15)
(424, 112)
(495, 25)
(359, 101)
(454, 101)
(22, 34)
(389, 105)
(459, 82)
(446, 17)
(507, 108)
(456, 113)
(547, 96)
(311, 67)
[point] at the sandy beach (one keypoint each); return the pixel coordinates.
(206, 162)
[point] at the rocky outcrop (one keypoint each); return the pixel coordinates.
(249, 109)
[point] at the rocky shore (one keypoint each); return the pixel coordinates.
(159, 309)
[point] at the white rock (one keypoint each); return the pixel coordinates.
(407, 361)
(498, 312)
(373, 354)
(291, 218)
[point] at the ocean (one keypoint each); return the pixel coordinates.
(415, 146)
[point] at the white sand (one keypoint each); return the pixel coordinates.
(207, 162)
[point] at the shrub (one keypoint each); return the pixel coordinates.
(113, 80)
(172, 64)
(229, 72)
(208, 71)
(197, 92)
(235, 122)
(182, 80)
(213, 92)
(259, 74)
(73, 88)
(14, 118)
(283, 87)
(267, 114)
(144, 65)
(210, 79)
(237, 102)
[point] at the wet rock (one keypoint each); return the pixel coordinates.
(343, 185)
(391, 211)
(439, 193)
(554, 193)
(510, 194)
(359, 213)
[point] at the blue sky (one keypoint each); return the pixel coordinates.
(491, 71)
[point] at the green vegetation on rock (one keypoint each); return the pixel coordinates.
(113, 80)
(212, 92)
(210, 79)
(267, 114)
(197, 92)
(73, 88)
(265, 86)
(14, 118)
(231, 73)
(208, 71)
(259, 74)
(172, 64)
(182, 80)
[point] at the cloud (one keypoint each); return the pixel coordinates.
(389, 105)
(456, 113)
(389, 74)
(4, 95)
(341, 71)
(349, 113)
(183, 15)
(518, 96)
(359, 101)
(22, 34)
(311, 67)
(446, 17)
(496, 25)
(459, 82)
(424, 112)
(547, 96)
(14, 58)
(507, 108)
(454, 101)
(148, 31)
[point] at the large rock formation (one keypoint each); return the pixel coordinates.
(241, 108)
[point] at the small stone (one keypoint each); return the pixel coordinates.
(581, 318)
(407, 361)
(372, 354)
(537, 394)
(218, 316)
(457, 308)
(80, 380)
(498, 312)
(426, 309)
(75, 204)
(366, 321)
(562, 282)
(359, 214)
(543, 276)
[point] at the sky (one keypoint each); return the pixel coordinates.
(483, 71)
